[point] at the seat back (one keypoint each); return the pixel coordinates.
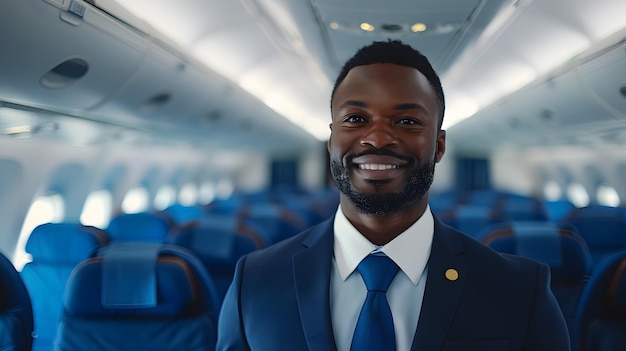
(16, 315)
(56, 248)
(601, 317)
(139, 296)
(472, 219)
(182, 214)
(218, 249)
(521, 208)
(564, 251)
(139, 227)
(276, 221)
(558, 209)
(603, 228)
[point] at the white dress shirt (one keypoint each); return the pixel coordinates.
(409, 250)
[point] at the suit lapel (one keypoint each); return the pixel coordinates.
(312, 268)
(443, 289)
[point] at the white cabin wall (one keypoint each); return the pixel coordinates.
(254, 173)
(140, 160)
(511, 172)
(445, 171)
(566, 165)
(313, 168)
(39, 159)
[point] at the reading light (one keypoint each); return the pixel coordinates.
(334, 25)
(367, 27)
(17, 130)
(418, 27)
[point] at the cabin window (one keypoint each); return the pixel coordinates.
(45, 209)
(165, 196)
(224, 189)
(552, 191)
(188, 195)
(97, 209)
(206, 194)
(607, 196)
(577, 195)
(135, 201)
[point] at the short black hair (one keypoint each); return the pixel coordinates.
(395, 52)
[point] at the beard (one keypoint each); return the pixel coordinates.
(417, 184)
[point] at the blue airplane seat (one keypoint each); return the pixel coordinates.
(182, 214)
(228, 206)
(140, 296)
(276, 223)
(481, 197)
(520, 208)
(328, 201)
(558, 209)
(231, 223)
(16, 314)
(602, 227)
(139, 227)
(56, 248)
(562, 249)
(472, 219)
(601, 316)
(304, 210)
(219, 251)
(443, 203)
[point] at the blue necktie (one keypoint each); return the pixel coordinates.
(374, 328)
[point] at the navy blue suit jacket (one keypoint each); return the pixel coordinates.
(279, 299)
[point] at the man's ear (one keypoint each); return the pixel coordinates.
(440, 146)
(331, 135)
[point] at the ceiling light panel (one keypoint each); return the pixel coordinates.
(536, 39)
(438, 24)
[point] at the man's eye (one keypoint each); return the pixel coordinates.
(355, 119)
(407, 121)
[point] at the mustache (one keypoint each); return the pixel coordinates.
(379, 152)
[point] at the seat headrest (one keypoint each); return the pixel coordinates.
(15, 308)
(617, 289)
(563, 250)
(64, 242)
(597, 211)
(183, 214)
(173, 289)
(219, 244)
(144, 227)
(539, 241)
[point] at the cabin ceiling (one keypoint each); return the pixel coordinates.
(221, 73)
(450, 25)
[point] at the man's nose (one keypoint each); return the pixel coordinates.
(379, 135)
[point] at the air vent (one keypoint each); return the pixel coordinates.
(213, 116)
(65, 73)
(392, 28)
(548, 117)
(156, 102)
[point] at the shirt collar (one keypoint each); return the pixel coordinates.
(409, 250)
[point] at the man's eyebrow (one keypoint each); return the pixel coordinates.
(354, 103)
(404, 106)
(409, 106)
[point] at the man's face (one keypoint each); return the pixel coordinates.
(385, 138)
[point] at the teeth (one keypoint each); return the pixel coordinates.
(376, 167)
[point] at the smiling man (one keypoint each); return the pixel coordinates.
(384, 273)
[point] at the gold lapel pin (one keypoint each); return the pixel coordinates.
(452, 274)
